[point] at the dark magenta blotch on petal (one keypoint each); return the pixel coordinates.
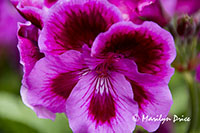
(49, 3)
(141, 96)
(52, 80)
(33, 15)
(102, 104)
(31, 11)
(149, 46)
(63, 84)
(102, 108)
(76, 24)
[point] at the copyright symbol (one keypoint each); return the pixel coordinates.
(135, 118)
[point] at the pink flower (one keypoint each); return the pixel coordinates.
(96, 68)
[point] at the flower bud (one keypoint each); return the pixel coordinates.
(185, 26)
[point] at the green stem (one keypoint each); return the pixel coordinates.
(193, 95)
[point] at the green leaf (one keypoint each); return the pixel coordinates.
(12, 108)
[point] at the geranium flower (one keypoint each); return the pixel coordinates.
(99, 70)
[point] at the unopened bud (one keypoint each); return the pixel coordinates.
(185, 26)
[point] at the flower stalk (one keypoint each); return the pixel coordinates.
(193, 95)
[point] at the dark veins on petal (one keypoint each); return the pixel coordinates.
(143, 50)
(102, 105)
(82, 25)
(140, 95)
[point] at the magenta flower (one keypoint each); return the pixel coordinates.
(96, 68)
(138, 11)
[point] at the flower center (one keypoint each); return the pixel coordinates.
(103, 69)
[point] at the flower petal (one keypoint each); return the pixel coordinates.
(187, 6)
(28, 47)
(153, 101)
(151, 47)
(32, 14)
(52, 79)
(139, 11)
(152, 95)
(159, 15)
(49, 3)
(32, 10)
(102, 104)
(41, 112)
(127, 7)
(72, 24)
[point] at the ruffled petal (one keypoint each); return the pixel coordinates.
(152, 94)
(127, 7)
(148, 45)
(33, 10)
(72, 24)
(52, 79)
(41, 111)
(159, 15)
(139, 11)
(32, 3)
(102, 104)
(32, 14)
(28, 47)
(169, 6)
(29, 55)
(153, 101)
